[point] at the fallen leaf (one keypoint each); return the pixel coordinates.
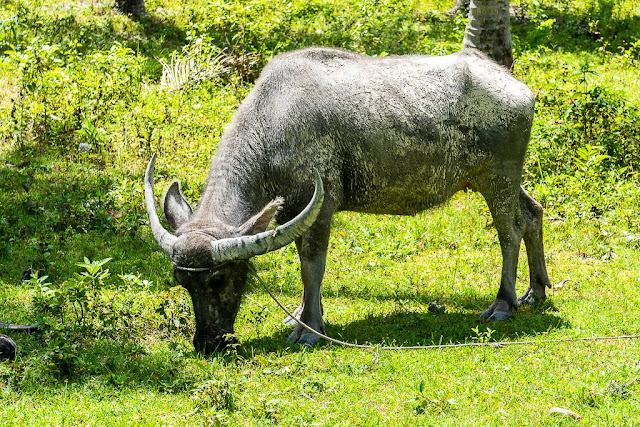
(114, 214)
(563, 411)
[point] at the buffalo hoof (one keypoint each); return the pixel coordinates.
(308, 340)
(530, 297)
(211, 345)
(498, 311)
(301, 336)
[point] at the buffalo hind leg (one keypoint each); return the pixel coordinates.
(538, 277)
(312, 250)
(501, 195)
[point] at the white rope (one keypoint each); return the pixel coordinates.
(433, 346)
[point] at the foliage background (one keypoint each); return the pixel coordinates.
(116, 344)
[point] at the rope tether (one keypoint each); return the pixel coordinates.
(433, 346)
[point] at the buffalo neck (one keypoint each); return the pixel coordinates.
(233, 192)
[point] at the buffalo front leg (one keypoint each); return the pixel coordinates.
(312, 250)
(538, 277)
(501, 195)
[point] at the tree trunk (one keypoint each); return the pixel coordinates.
(488, 30)
(133, 7)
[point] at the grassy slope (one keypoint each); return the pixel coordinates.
(58, 205)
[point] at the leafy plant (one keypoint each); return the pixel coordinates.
(482, 336)
(424, 404)
(94, 271)
(198, 61)
(216, 393)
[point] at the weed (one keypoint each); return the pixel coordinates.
(198, 61)
(482, 336)
(217, 394)
(175, 310)
(424, 404)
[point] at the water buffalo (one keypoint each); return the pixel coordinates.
(391, 135)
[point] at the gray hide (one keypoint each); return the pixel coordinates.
(392, 135)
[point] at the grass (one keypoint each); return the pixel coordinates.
(116, 349)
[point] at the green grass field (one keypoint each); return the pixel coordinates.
(116, 347)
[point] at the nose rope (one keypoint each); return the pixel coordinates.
(192, 269)
(434, 346)
(200, 269)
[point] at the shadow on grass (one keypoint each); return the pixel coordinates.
(467, 297)
(54, 212)
(154, 35)
(173, 367)
(107, 363)
(412, 328)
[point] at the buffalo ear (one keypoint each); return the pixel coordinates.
(262, 220)
(176, 208)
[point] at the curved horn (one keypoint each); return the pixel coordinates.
(165, 239)
(245, 247)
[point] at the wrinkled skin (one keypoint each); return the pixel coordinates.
(211, 261)
(394, 135)
(216, 296)
(215, 293)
